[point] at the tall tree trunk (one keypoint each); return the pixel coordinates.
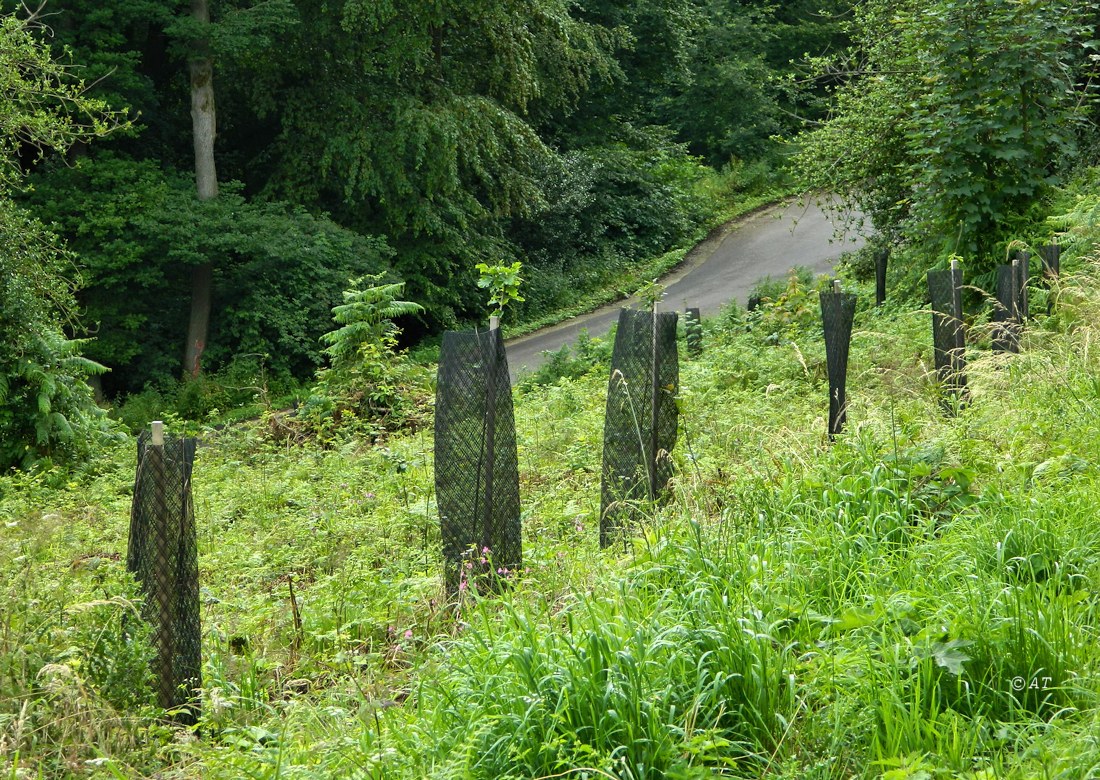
(206, 177)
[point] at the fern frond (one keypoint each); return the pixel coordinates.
(366, 316)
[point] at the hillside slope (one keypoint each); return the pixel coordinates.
(914, 600)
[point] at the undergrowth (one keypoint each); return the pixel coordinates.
(914, 600)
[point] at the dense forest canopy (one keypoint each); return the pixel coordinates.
(424, 138)
(269, 151)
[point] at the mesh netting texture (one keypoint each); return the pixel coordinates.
(476, 466)
(1022, 264)
(948, 333)
(882, 259)
(641, 418)
(1050, 256)
(838, 311)
(163, 556)
(1006, 310)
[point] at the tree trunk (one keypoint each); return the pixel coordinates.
(206, 178)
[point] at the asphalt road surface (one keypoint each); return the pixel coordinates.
(724, 267)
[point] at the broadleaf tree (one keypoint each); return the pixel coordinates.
(954, 117)
(46, 405)
(411, 120)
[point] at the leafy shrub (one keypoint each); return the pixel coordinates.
(606, 208)
(138, 231)
(47, 409)
(241, 388)
(785, 310)
(966, 124)
(571, 362)
(369, 380)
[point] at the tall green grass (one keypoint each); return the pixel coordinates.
(915, 600)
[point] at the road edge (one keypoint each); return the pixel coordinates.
(695, 257)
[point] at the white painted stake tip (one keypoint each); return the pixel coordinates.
(494, 322)
(954, 265)
(157, 439)
(836, 285)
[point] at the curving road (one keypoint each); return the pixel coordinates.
(723, 268)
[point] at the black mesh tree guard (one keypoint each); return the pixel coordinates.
(1051, 257)
(1006, 313)
(476, 465)
(1021, 262)
(163, 556)
(693, 331)
(948, 332)
(641, 420)
(882, 257)
(838, 311)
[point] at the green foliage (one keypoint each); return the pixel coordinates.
(727, 107)
(723, 77)
(242, 389)
(461, 135)
(954, 118)
(785, 310)
(1076, 217)
(366, 316)
(646, 682)
(46, 407)
(370, 388)
(650, 293)
(605, 209)
(503, 283)
(75, 679)
(417, 129)
(571, 362)
(44, 108)
(913, 597)
(139, 229)
(100, 36)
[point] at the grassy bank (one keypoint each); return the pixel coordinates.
(915, 600)
(729, 208)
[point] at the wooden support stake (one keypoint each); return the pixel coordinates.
(488, 538)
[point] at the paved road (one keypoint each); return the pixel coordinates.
(724, 267)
